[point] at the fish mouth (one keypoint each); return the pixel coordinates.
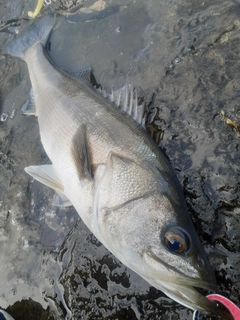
(183, 289)
(188, 296)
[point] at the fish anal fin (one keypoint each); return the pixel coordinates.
(80, 153)
(46, 175)
(29, 108)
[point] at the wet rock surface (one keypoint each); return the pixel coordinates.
(184, 58)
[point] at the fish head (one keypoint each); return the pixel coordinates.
(141, 217)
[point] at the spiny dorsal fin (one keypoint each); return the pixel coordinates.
(80, 153)
(126, 99)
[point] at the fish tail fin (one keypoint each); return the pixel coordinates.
(38, 34)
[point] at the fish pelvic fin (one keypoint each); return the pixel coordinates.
(60, 200)
(46, 175)
(38, 34)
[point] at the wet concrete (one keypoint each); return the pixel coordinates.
(184, 58)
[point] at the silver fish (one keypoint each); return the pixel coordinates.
(110, 170)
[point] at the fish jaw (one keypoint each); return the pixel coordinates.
(187, 296)
(179, 287)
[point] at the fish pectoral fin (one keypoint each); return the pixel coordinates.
(29, 108)
(60, 200)
(80, 154)
(46, 175)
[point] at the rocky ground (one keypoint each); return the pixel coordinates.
(183, 56)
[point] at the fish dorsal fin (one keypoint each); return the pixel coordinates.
(83, 72)
(46, 175)
(29, 107)
(80, 154)
(126, 99)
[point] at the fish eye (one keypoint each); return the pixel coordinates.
(176, 240)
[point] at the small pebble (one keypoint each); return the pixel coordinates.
(4, 117)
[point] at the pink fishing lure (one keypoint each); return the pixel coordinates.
(232, 308)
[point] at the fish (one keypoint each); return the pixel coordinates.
(4, 315)
(105, 164)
